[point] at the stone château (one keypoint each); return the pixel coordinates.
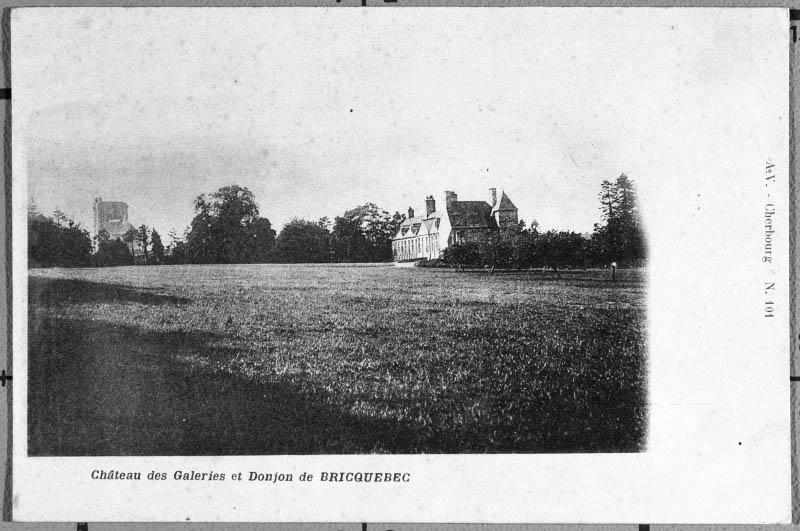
(459, 222)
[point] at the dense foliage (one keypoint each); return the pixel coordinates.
(364, 234)
(465, 254)
(57, 241)
(111, 252)
(302, 241)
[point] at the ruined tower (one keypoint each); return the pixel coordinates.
(112, 217)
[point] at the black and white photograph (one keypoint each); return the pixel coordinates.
(394, 234)
(271, 261)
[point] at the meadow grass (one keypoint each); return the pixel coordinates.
(314, 359)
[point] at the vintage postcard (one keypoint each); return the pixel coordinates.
(498, 264)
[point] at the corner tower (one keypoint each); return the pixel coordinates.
(505, 212)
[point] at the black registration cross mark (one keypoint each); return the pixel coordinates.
(4, 377)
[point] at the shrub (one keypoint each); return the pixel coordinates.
(462, 254)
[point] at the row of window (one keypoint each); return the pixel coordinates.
(420, 247)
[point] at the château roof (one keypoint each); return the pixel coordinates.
(471, 214)
(419, 225)
(416, 220)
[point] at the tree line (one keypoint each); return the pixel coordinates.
(58, 241)
(228, 227)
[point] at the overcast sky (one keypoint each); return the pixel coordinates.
(318, 110)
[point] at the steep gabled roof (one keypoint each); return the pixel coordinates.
(411, 221)
(504, 203)
(410, 227)
(471, 214)
(419, 225)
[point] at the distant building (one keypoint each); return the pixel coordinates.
(458, 222)
(112, 217)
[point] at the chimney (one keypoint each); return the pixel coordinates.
(450, 198)
(494, 195)
(410, 212)
(430, 205)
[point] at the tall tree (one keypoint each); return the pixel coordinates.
(620, 237)
(130, 237)
(629, 224)
(156, 246)
(227, 228)
(142, 236)
(348, 243)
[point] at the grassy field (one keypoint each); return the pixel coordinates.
(296, 359)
